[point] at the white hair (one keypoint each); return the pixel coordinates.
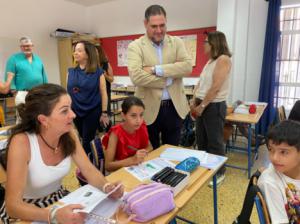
(25, 40)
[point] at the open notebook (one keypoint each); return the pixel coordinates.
(96, 204)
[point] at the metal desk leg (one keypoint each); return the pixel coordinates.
(215, 199)
(256, 142)
(249, 150)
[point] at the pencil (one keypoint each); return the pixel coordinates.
(132, 148)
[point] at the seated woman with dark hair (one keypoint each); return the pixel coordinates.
(40, 151)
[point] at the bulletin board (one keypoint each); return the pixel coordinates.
(109, 45)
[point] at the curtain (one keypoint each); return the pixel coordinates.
(270, 67)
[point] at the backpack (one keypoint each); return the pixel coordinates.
(187, 135)
(244, 217)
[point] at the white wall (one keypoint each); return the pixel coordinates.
(244, 23)
(37, 18)
(125, 17)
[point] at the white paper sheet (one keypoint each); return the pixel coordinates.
(255, 103)
(180, 154)
(147, 169)
(96, 202)
(88, 196)
(207, 160)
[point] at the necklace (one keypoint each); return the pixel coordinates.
(55, 149)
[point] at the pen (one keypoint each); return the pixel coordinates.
(158, 176)
(132, 148)
(171, 178)
(179, 178)
(166, 177)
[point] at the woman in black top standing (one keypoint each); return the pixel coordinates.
(108, 74)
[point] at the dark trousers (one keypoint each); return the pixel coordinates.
(87, 127)
(210, 128)
(167, 124)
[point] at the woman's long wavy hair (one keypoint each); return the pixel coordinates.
(41, 100)
(218, 43)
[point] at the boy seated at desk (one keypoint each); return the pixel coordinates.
(127, 143)
(280, 183)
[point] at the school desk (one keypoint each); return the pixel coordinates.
(248, 120)
(131, 89)
(124, 90)
(115, 99)
(198, 179)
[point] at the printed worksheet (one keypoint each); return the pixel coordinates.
(147, 169)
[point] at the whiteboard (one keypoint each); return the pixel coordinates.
(8, 46)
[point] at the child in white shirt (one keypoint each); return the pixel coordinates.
(280, 183)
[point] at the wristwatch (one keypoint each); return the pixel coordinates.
(153, 71)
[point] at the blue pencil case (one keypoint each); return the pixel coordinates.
(188, 165)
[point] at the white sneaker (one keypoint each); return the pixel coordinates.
(220, 179)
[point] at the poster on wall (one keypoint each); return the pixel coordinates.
(190, 42)
(122, 46)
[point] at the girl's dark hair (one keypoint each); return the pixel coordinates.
(154, 10)
(287, 131)
(101, 56)
(41, 100)
(218, 43)
(131, 101)
(91, 51)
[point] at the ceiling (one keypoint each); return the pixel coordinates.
(89, 2)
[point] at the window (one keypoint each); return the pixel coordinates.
(289, 57)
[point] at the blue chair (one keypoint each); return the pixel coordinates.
(253, 196)
(262, 209)
(97, 158)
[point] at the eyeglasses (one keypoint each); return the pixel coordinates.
(25, 46)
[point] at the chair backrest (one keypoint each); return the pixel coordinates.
(98, 154)
(281, 113)
(96, 157)
(295, 112)
(253, 195)
(262, 210)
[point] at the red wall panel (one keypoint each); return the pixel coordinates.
(109, 45)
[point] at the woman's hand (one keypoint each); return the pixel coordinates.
(104, 119)
(66, 215)
(118, 193)
(198, 110)
(193, 110)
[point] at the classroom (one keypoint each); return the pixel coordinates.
(244, 23)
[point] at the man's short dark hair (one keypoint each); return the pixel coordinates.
(287, 131)
(154, 10)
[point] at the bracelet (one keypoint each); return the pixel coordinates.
(49, 214)
(105, 186)
(52, 214)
